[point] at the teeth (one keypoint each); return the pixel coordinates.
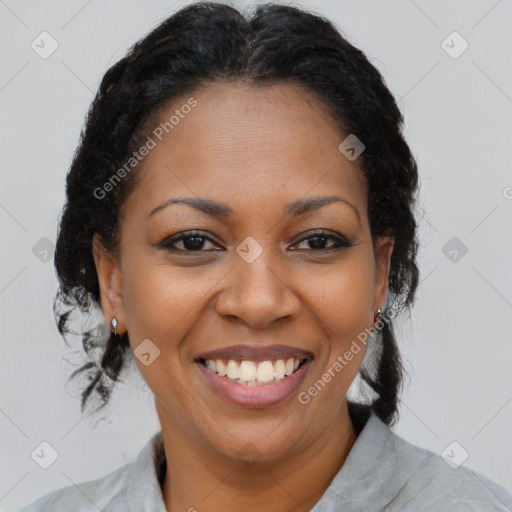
(280, 368)
(251, 372)
(247, 370)
(210, 364)
(221, 367)
(265, 372)
(233, 370)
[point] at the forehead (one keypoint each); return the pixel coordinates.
(247, 146)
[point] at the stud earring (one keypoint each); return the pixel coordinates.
(113, 323)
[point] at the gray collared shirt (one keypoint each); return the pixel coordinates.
(382, 472)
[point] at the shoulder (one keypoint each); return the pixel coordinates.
(134, 486)
(435, 484)
(89, 496)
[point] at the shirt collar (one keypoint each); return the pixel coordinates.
(369, 477)
(143, 479)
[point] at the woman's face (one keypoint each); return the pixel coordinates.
(257, 275)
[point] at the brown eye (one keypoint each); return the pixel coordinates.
(318, 240)
(192, 241)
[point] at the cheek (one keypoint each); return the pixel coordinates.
(344, 298)
(162, 302)
(160, 305)
(344, 305)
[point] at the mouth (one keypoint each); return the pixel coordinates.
(254, 373)
(254, 383)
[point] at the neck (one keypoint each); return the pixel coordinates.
(200, 478)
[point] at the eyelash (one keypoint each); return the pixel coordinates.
(168, 243)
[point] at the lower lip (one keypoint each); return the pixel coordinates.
(255, 396)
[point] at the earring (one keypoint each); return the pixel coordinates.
(377, 313)
(113, 323)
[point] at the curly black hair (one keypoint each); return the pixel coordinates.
(209, 42)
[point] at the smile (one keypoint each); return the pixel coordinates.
(254, 384)
(253, 373)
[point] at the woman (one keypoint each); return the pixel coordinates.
(241, 206)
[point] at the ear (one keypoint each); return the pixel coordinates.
(383, 251)
(109, 278)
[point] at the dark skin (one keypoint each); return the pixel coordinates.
(254, 150)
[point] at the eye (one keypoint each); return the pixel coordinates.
(318, 240)
(192, 241)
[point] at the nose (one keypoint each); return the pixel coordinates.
(257, 293)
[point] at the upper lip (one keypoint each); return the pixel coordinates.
(256, 353)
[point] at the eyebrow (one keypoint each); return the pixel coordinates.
(299, 207)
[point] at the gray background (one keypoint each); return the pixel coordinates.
(457, 344)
